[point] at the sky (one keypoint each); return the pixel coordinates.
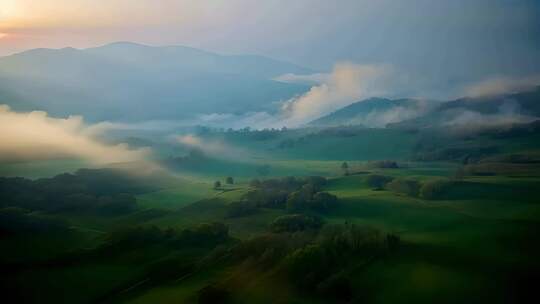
(491, 34)
(435, 45)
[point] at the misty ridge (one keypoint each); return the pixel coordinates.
(175, 83)
(125, 89)
(153, 82)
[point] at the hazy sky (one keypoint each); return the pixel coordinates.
(427, 38)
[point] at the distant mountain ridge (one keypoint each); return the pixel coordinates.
(368, 112)
(380, 112)
(510, 108)
(528, 102)
(152, 82)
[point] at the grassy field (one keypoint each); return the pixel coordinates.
(474, 243)
(458, 249)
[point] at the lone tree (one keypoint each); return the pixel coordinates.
(229, 180)
(217, 184)
(345, 168)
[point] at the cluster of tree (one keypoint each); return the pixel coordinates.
(202, 130)
(295, 222)
(273, 193)
(294, 194)
(104, 191)
(514, 158)
(194, 159)
(204, 234)
(228, 180)
(17, 221)
(314, 260)
(240, 209)
(340, 131)
(274, 198)
(289, 183)
(436, 189)
(265, 134)
(405, 186)
(307, 198)
(430, 189)
(510, 165)
(335, 248)
(383, 164)
(377, 181)
(315, 134)
(159, 255)
(461, 154)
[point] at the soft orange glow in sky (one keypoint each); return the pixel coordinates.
(437, 35)
(83, 23)
(86, 13)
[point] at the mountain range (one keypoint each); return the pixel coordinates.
(168, 82)
(380, 112)
(125, 81)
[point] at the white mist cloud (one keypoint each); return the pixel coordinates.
(475, 121)
(380, 119)
(254, 120)
(150, 125)
(471, 121)
(346, 84)
(501, 85)
(36, 136)
(215, 148)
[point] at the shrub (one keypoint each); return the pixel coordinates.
(295, 222)
(105, 191)
(316, 181)
(404, 186)
(268, 249)
(20, 221)
(378, 181)
(321, 264)
(308, 266)
(268, 198)
(297, 201)
(203, 235)
(350, 239)
(322, 201)
(213, 230)
(435, 189)
(240, 208)
(384, 164)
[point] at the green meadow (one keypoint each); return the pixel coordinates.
(400, 230)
